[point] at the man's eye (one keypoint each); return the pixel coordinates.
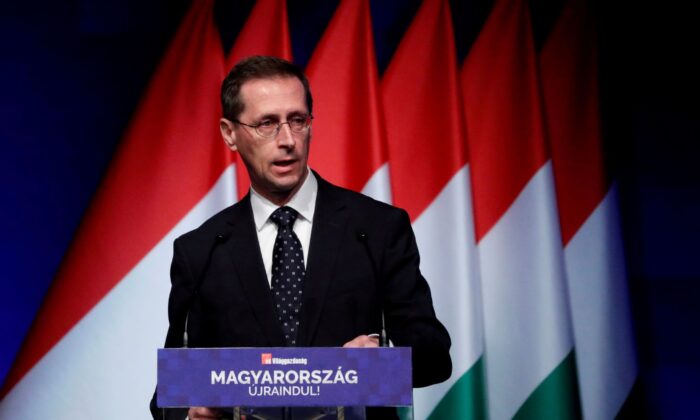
(266, 124)
(298, 120)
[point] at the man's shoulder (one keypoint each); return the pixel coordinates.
(218, 224)
(361, 206)
(366, 203)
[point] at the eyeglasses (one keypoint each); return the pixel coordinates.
(270, 128)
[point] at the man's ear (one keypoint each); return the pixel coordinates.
(228, 133)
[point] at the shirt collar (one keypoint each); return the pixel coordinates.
(304, 202)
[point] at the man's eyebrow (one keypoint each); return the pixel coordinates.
(276, 117)
(297, 114)
(268, 117)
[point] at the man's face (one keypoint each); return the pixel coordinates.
(277, 165)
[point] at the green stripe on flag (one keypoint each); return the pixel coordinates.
(557, 397)
(465, 400)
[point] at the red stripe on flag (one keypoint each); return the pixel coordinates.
(347, 138)
(503, 109)
(568, 64)
(266, 32)
(423, 110)
(169, 158)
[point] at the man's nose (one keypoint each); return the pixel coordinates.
(285, 137)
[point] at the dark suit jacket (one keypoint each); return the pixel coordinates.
(362, 258)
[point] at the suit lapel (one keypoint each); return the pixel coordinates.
(330, 219)
(245, 253)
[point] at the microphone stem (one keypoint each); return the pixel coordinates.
(383, 341)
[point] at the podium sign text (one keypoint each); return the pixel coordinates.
(285, 376)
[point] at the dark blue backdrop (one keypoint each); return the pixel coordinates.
(72, 73)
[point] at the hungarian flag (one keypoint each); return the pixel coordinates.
(91, 352)
(588, 213)
(529, 345)
(429, 169)
(347, 140)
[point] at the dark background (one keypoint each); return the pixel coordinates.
(72, 73)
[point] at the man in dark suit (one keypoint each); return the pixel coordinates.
(353, 260)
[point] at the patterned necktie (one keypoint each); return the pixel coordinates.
(287, 273)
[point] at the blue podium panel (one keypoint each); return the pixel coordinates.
(285, 376)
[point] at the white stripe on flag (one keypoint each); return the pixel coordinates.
(445, 236)
(105, 367)
(378, 186)
(605, 354)
(525, 300)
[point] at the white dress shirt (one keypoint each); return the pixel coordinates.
(304, 202)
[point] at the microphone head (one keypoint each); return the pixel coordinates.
(221, 238)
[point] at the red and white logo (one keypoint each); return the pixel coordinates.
(266, 358)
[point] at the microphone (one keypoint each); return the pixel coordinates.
(218, 240)
(362, 237)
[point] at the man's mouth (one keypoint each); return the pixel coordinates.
(284, 163)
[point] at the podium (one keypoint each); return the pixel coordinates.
(286, 382)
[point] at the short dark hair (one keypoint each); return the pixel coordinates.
(257, 67)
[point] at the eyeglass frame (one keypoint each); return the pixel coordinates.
(308, 119)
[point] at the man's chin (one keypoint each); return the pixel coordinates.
(286, 185)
